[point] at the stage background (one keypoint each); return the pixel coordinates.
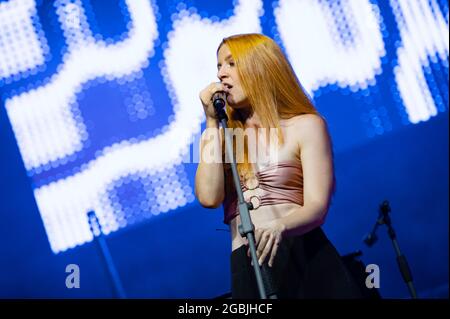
(100, 111)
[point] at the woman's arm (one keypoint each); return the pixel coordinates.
(209, 184)
(318, 184)
(209, 178)
(318, 177)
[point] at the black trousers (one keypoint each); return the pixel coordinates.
(306, 267)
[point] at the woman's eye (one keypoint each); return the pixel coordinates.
(231, 63)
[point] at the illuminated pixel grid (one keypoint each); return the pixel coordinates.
(98, 134)
(23, 48)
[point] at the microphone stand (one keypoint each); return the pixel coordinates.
(96, 230)
(246, 228)
(371, 238)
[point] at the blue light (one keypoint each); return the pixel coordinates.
(142, 98)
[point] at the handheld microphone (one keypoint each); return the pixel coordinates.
(219, 104)
(219, 100)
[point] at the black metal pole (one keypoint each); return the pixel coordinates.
(401, 259)
(246, 228)
(106, 255)
(371, 238)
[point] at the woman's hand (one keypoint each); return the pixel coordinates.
(206, 96)
(268, 237)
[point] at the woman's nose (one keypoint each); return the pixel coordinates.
(221, 73)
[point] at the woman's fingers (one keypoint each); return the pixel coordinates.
(257, 236)
(274, 251)
(262, 243)
(266, 244)
(266, 250)
(206, 96)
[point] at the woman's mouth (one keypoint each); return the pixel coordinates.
(228, 87)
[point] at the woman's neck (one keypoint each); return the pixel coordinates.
(250, 118)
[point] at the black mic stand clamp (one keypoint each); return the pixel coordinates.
(246, 228)
(371, 238)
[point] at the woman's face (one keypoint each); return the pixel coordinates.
(227, 74)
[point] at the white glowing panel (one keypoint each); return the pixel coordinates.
(21, 47)
(46, 129)
(424, 37)
(315, 46)
(43, 120)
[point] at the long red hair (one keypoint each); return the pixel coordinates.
(269, 82)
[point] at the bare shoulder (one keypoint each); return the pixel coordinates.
(307, 119)
(308, 126)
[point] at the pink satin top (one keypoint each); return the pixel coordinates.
(278, 183)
